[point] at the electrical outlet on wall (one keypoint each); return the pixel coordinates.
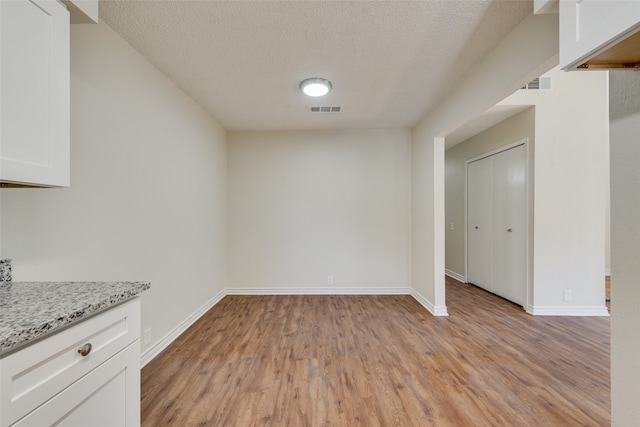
(147, 336)
(330, 280)
(566, 296)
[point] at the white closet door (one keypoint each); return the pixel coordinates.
(509, 224)
(479, 223)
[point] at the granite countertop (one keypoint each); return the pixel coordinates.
(29, 310)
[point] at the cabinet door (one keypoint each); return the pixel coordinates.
(34, 92)
(106, 397)
(33, 375)
(588, 26)
(479, 223)
(509, 224)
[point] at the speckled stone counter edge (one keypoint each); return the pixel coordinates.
(21, 336)
(5, 271)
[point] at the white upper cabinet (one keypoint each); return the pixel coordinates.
(599, 33)
(34, 93)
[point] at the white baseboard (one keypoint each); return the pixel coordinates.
(458, 277)
(318, 291)
(567, 311)
(435, 310)
(152, 352)
(607, 272)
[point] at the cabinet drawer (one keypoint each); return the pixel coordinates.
(35, 374)
(106, 397)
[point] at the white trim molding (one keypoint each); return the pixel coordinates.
(318, 291)
(454, 275)
(568, 311)
(434, 310)
(152, 352)
(607, 272)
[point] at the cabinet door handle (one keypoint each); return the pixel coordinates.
(509, 230)
(477, 227)
(85, 349)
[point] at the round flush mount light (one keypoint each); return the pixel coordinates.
(315, 86)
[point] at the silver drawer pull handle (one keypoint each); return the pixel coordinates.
(509, 230)
(85, 349)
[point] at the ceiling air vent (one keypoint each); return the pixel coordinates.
(540, 83)
(324, 109)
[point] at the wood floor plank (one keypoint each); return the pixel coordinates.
(331, 360)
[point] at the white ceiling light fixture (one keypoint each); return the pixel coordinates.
(315, 86)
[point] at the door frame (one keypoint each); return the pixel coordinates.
(529, 225)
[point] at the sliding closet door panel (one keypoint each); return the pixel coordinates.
(509, 224)
(479, 223)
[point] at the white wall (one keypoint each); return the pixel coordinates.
(530, 50)
(148, 188)
(303, 206)
(607, 202)
(569, 192)
(514, 129)
(625, 247)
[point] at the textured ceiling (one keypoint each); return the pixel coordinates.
(389, 61)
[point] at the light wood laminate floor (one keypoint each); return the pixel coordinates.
(380, 361)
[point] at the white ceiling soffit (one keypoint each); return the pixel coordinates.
(242, 61)
(484, 121)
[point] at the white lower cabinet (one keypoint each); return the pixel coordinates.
(104, 397)
(52, 383)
